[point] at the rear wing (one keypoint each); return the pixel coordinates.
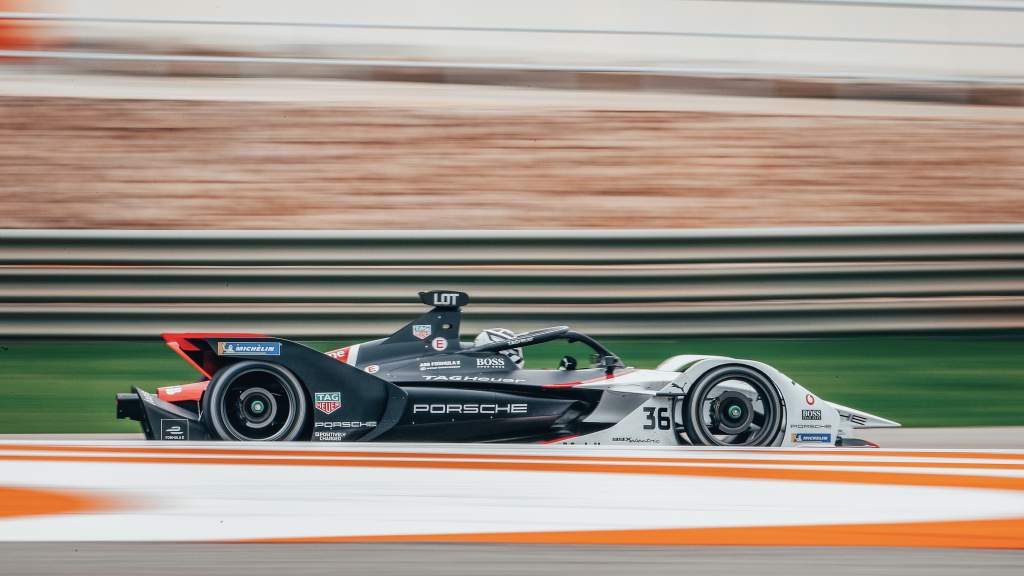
(437, 330)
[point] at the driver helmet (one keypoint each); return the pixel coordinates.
(491, 335)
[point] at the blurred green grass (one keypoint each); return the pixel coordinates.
(67, 387)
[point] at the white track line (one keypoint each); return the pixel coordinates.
(173, 500)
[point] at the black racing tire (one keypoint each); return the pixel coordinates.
(705, 419)
(255, 401)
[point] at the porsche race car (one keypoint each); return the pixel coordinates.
(424, 384)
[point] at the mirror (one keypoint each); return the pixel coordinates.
(567, 363)
(610, 363)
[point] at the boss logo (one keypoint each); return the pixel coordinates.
(445, 298)
(811, 414)
(492, 362)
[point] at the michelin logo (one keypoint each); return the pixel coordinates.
(249, 348)
(823, 438)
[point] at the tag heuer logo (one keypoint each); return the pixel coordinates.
(327, 402)
(421, 331)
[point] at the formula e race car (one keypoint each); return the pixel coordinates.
(424, 384)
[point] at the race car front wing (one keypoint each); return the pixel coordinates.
(160, 420)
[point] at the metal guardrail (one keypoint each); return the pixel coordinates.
(333, 322)
(433, 65)
(235, 63)
(324, 284)
(510, 284)
(474, 247)
(978, 42)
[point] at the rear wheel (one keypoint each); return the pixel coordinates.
(255, 401)
(733, 406)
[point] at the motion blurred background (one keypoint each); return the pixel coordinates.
(830, 186)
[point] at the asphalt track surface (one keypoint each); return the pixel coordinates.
(500, 559)
(490, 560)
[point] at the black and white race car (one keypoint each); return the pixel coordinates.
(423, 384)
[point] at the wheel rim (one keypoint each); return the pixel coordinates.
(731, 413)
(736, 409)
(258, 404)
(258, 407)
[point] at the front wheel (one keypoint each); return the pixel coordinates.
(733, 406)
(254, 401)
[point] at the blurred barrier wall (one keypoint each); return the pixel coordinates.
(942, 41)
(323, 284)
(17, 34)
